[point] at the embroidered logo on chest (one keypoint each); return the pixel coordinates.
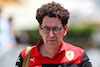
(69, 55)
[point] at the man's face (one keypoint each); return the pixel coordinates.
(52, 39)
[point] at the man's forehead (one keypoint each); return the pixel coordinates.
(51, 21)
(51, 25)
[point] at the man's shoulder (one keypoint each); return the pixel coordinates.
(71, 47)
(24, 51)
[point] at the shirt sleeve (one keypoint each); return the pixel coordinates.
(85, 61)
(19, 61)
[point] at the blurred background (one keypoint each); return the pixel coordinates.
(19, 28)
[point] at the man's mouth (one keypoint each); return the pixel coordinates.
(52, 40)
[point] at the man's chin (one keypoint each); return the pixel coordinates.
(52, 45)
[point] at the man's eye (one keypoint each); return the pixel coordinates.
(55, 28)
(47, 28)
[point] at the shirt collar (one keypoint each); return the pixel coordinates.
(37, 53)
(64, 46)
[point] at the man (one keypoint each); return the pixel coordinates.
(51, 50)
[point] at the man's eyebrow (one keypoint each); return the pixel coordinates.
(56, 26)
(49, 27)
(46, 26)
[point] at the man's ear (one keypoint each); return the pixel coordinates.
(39, 29)
(66, 28)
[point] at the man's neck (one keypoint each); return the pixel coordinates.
(48, 52)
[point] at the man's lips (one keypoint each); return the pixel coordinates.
(51, 40)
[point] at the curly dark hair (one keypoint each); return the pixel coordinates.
(53, 10)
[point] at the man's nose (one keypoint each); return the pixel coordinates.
(51, 34)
